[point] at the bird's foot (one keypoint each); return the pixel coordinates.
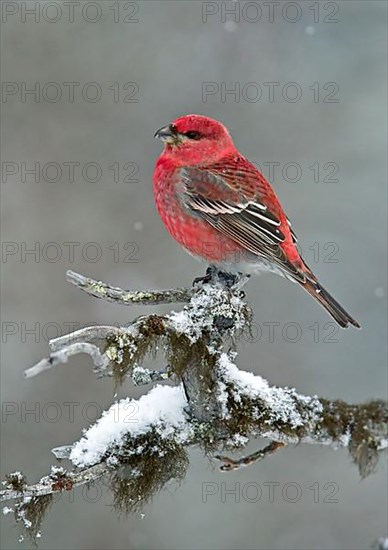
(227, 279)
(207, 278)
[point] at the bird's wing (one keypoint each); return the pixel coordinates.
(234, 200)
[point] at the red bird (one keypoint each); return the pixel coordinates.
(222, 210)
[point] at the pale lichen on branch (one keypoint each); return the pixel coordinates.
(99, 289)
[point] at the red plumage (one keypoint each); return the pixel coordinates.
(221, 209)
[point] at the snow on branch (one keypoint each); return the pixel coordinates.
(140, 445)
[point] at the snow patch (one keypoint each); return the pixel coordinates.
(213, 301)
(161, 409)
(280, 401)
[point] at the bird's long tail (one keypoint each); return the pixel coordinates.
(331, 305)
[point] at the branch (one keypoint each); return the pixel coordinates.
(62, 356)
(98, 289)
(250, 408)
(56, 482)
(141, 444)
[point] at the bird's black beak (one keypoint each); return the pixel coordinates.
(168, 134)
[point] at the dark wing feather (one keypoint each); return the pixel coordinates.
(293, 234)
(245, 217)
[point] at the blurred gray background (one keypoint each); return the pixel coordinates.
(172, 49)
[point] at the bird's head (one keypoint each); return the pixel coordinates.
(195, 139)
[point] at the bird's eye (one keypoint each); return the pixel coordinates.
(193, 135)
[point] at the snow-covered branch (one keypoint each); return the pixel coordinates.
(139, 445)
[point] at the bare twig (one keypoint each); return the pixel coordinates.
(87, 334)
(63, 355)
(117, 295)
(229, 464)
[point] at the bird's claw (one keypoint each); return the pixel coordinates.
(205, 279)
(227, 279)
